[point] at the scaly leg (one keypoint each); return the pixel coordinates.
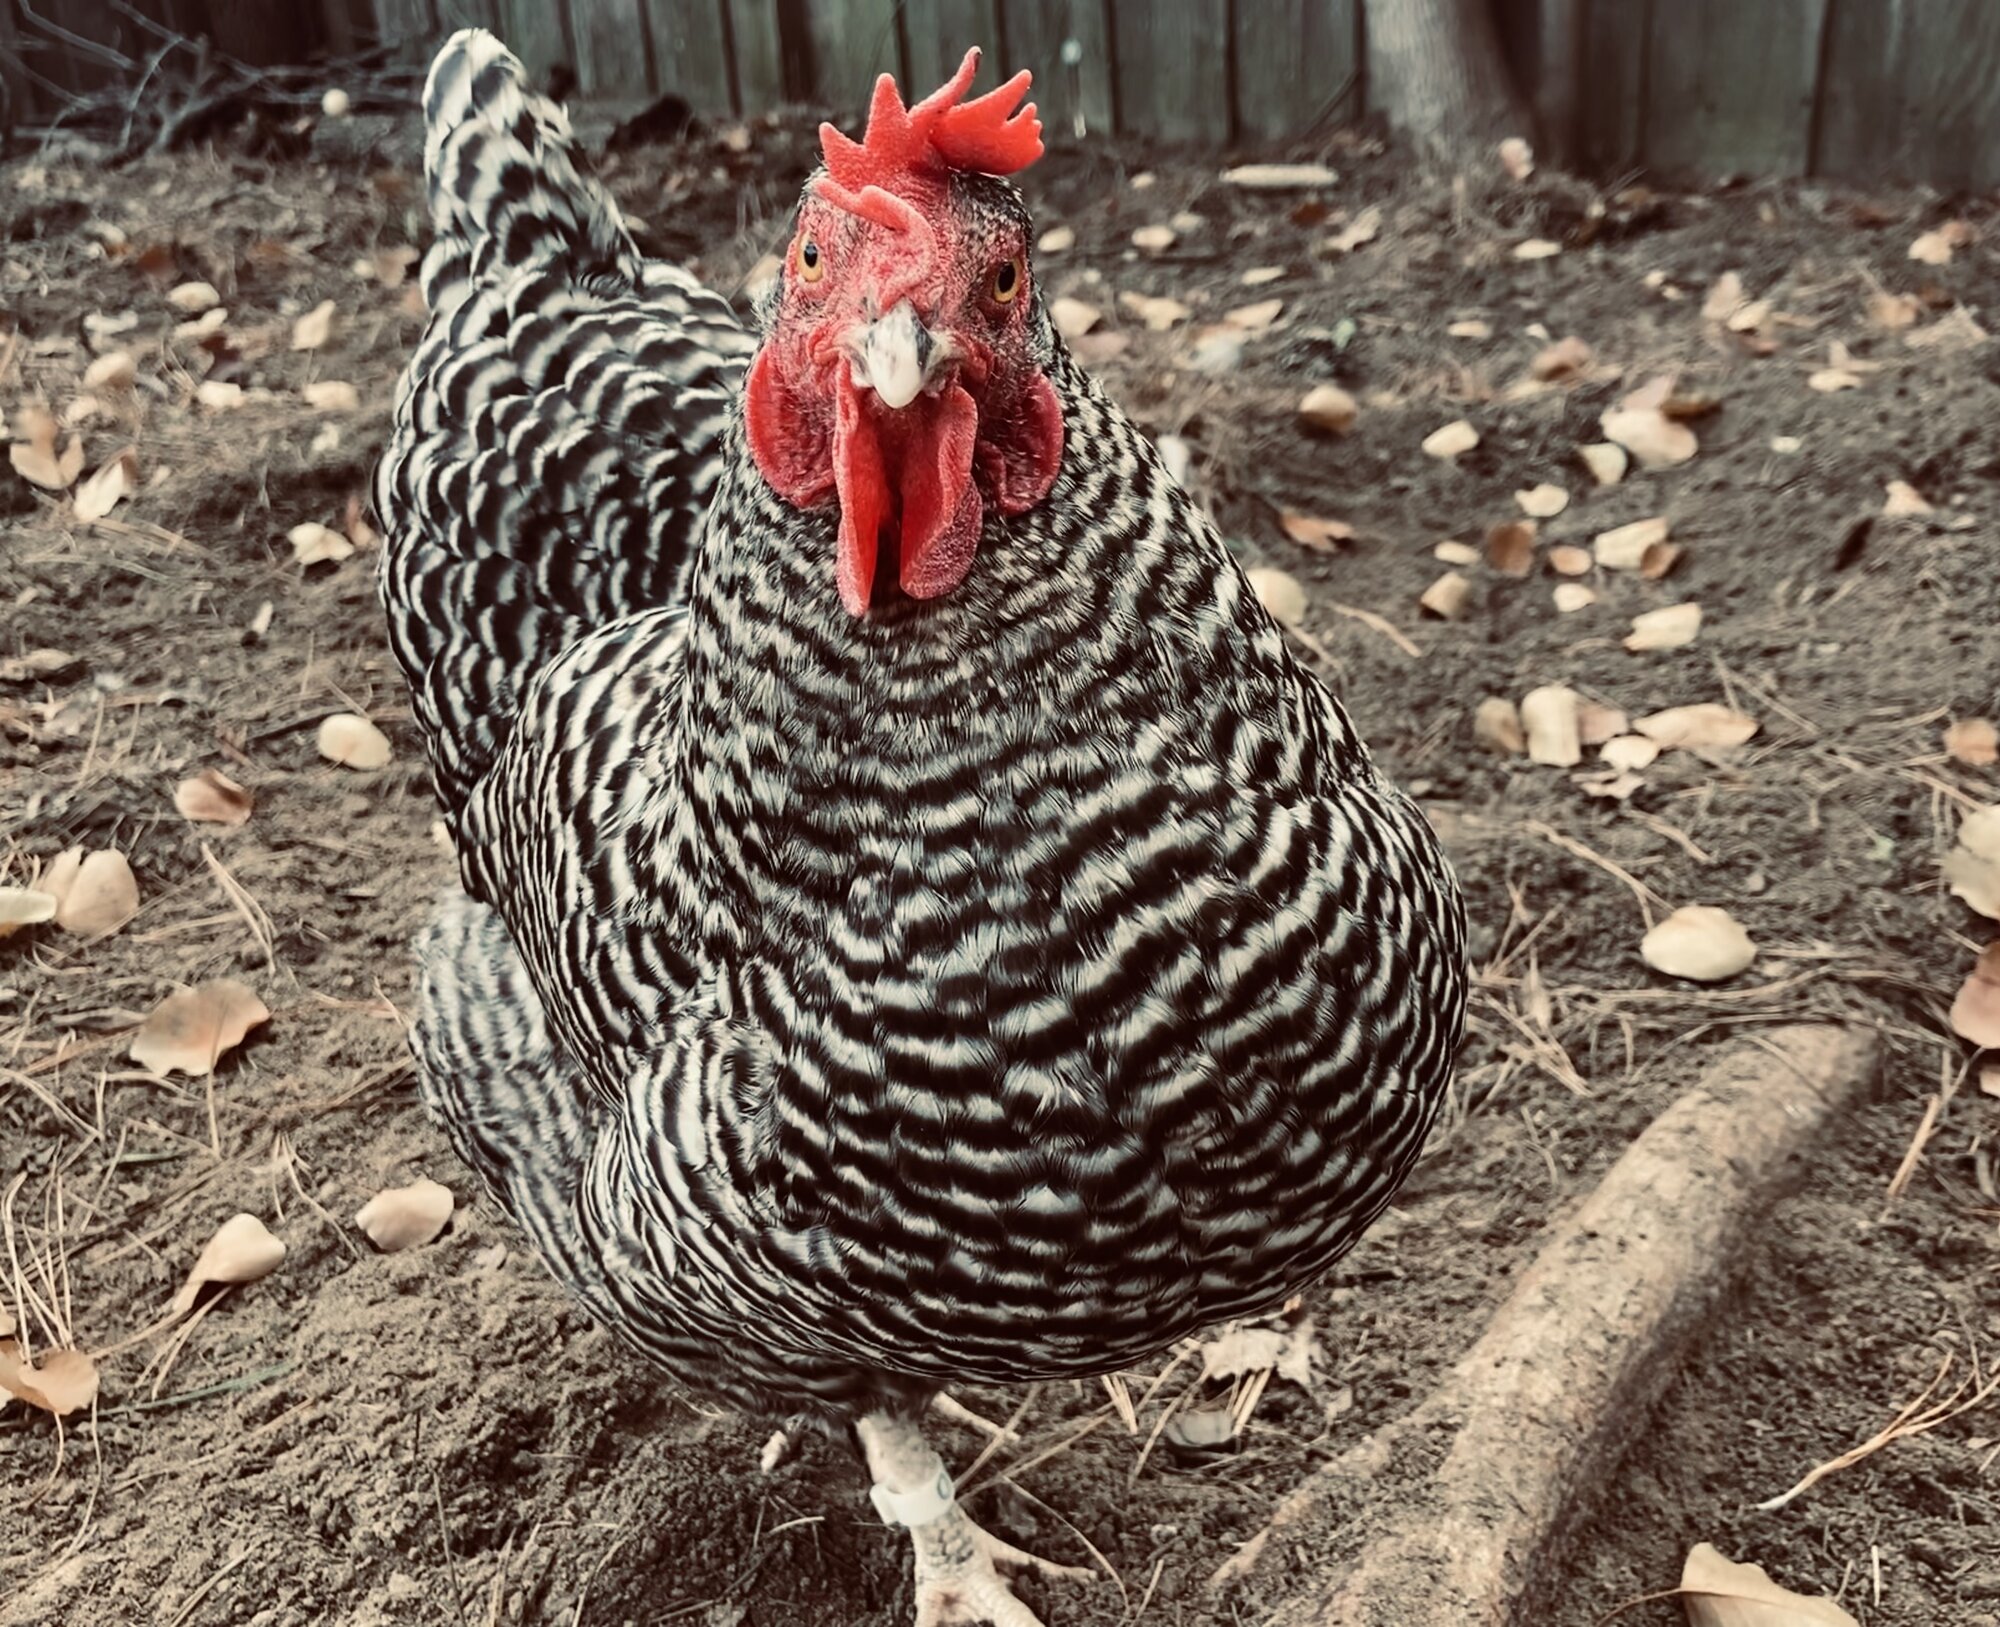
(958, 1580)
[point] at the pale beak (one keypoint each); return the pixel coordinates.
(897, 356)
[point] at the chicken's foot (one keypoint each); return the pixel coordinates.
(958, 1577)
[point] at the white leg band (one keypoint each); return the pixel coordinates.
(913, 1508)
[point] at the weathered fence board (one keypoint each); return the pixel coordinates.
(1297, 62)
(1855, 89)
(1172, 67)
(1730, 86)
(1071, 97)
(691, 54)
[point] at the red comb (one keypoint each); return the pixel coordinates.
(993, 134)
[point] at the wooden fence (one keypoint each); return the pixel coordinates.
(1860, 89)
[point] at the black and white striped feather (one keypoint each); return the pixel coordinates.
(993, 987)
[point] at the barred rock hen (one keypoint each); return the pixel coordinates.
(919, 925)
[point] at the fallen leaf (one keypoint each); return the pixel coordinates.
(334, 395)
(1750, 317)
(1566, 559)
(1536, 248)
(24, 906)
(1629, 751)
(405, 1216)
(213, 798)
(1453, 552)
(96, 893)
(1470, 328)
(1322, 536)
(1659, 560)
(1671, 628)
(1567, 358)
(35, 456)
(1543, 502)
(103, 491)
(1973, 866)
(314, 328)
(1705, 726)
(315, 544)
(219, 395)
(1281, 595)
(1975, 1013)
(1246, 1347)
(1596, 724)
(1606, 461)
(1904, 501)
(1717, 1592)
(1828, 380)
(1157, 312)
(1517, 158)
(65, 1382)
(1623, 548)
(1073, 317)
(1453, 440)
(1510, 547)
(192, 298)
(1259, 276)
(1154, 239)
(1447, 596)
(1570, 597)
(1724, 298)
(1700, 943)
(1496, 722)
(115, 370)
(1894, 311)
(1549, 717)
(1973, 741)
(1617, 785)
(1936, 246)
(1330, 408)
(193, 1029)
(353, 741)
(1654, 439)
(242, 1250)
(1056, 240)
(1254, 318)
(1364, 228)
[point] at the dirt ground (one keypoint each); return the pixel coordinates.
(436, 1436)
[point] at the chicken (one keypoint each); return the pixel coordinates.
(918, 924)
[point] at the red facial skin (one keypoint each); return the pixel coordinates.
(988, 426)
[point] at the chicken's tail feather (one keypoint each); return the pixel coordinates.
(500, 174)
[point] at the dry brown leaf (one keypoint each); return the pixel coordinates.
(1156, 311)
(1705, 726)
(1470, 328)
(115, 370)
(1074, 317)
(65, 1382)
(1654, 439)
(1617, 785)
(1596, 724)
(242, 1250)
(1254, 318)
(1537, 248)
(1975, 1013)
(332, 395)
(1496, 723)
(1280, 593)
(1717, 1592)
(352, 741)
(1510, 546)
(1936, 246)
(1543, 502)
(1700, 943)
(192, 298)
(1973, 741)
(1549, 717)
(1894, 311)
(1973, 866)
(405, 1216)
(36, 457)
(103, 491)
(1659, 560)
(316, 544)
(193, 1029)
(314, 328)
(1322, 536)
(1447, 596)
(24, 906)
(1056, 240)
(1624, 547)
(1570, 597)
(1453, 440)
(1567, 358)
(219, 395)
(1672, 627)
(1629, 751)
(96, 893)
(1606, 461)
(1566, 559)
(213, 798)
(1901, 501)
(1724, 298)
(1828, 380)
(1330, 408)
(1363, 228)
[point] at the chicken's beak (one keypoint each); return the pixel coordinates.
(897, 356)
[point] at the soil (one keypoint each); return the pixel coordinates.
(437, 1435)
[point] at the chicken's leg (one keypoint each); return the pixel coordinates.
(958, 1580)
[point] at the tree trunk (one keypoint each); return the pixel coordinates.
(1435, 68)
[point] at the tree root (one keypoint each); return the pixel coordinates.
(1495, 1469)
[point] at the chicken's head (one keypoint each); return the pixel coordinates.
(902, 374)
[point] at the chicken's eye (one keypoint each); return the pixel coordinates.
(1007, 281)
(812, 263)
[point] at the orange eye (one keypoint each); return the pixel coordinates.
(812, 263)
(1007, 281)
